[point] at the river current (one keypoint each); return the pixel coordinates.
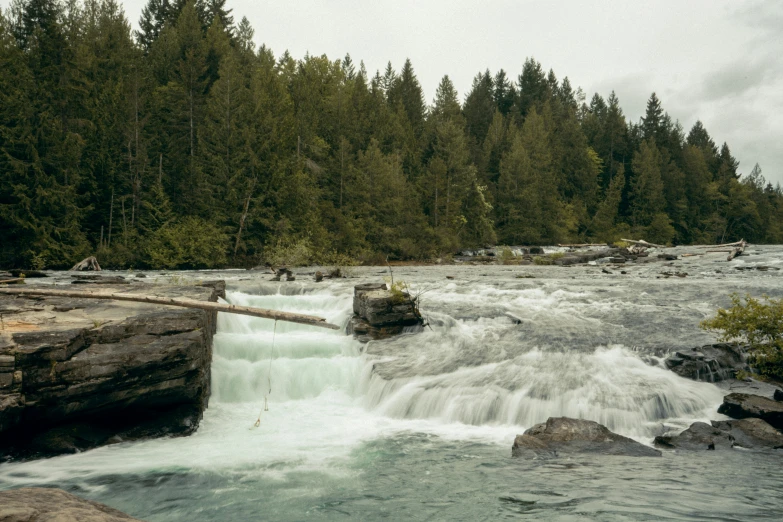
(420, 427)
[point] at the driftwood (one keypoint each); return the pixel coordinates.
(642, 243)
(741, 242)
(582, 245)
(89, 263)
(182, 302)
(738, 250)
(12, 281)
(691, 255)
(735, 249)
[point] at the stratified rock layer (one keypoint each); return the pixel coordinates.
(564, 435)
(79, 373)
(54, 505)
(380, 313)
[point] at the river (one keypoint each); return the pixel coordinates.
(420, 427)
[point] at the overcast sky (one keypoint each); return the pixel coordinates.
(720, 61)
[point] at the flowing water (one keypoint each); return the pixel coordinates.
(420, 427)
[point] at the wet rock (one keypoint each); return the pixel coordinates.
(743, 405)
(27, 273)
(380, 313)
(710, 363)
(82, 279)
(667, 257)
(79, 381)
(564, 435)
(535, 250)
(280, 272)
(49, 504)
(778, 395)
(749, 433)
(575, 258)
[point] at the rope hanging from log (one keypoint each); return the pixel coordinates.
(268, 378)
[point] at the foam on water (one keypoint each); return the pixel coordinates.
(464, 379)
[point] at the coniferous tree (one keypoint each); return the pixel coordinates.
(183, 146)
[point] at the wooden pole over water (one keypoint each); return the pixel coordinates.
(181, 302)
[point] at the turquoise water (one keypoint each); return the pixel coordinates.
(421, 427)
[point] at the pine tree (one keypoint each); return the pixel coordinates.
(154, 16)
(480, 107)
(531, 211)
(604, 225)
(504, 93)
(533, 87)
(653, 119)
(648, 205)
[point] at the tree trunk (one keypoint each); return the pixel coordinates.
(181, 302)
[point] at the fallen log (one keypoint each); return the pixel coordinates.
(737, 251)
(181, 302)
(90, 263)
(741, 242)
(582, 245)
(643, 243)
(12, 281)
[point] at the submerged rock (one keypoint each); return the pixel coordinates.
(710, 363)
(49, 504)
(743, 405)
(565, 435)
(380, 313)
(749, 433)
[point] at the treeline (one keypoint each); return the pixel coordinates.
(183, 145)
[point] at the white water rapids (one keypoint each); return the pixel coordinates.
(501, 355)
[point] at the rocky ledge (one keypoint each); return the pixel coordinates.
(379, 313)
(743, 406)
(81, 373)
(751, 433)
(564, 435)
(48, 504)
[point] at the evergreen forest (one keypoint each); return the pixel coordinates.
(183, 145)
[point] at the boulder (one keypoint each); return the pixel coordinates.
(80, 373)
(380, 313)
(564, 435)
(710, 363)
(743, 405)
(749, 433)
(49, 504)
(778, 395)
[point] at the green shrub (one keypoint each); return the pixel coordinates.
(507, 256)
(287, 251)
(548, 259)
(189, 242)
(757, 323)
